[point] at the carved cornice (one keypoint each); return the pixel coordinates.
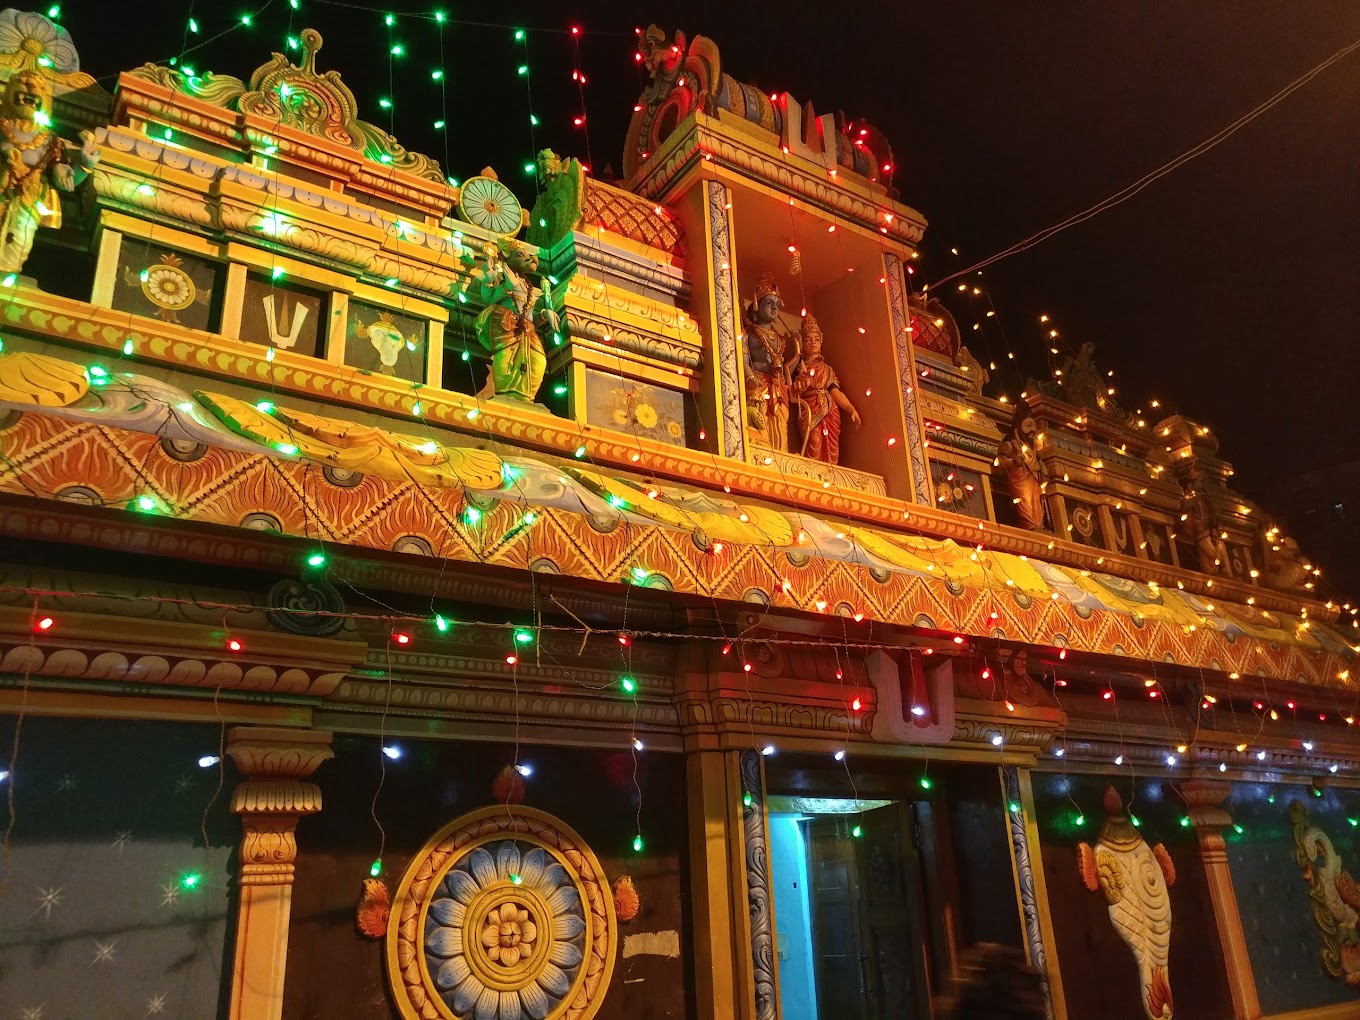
(704, 138)
(83, 646)
(610, 335)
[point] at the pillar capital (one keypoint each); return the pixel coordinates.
(275, 752)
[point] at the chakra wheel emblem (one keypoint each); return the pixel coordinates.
(490, 205)
(503, 915)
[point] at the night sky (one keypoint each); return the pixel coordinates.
(1229, 290)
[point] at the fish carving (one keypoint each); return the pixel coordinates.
(1134, 878)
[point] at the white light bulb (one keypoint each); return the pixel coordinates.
(1307, 745)
(637, 744)
(392, 751)
(1332, 768)
(208, 761)
(1119, 759)
(524, 770)
(4, 774)
(1058, 752)
(767, 750)
(997, 740)
(1171, 759)
(1260, 756)
(1223, 766)
(918, 710)
(839, 755)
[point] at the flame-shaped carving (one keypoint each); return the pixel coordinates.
(373, 910)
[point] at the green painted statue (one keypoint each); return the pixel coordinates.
(560, 200)
(508, 326)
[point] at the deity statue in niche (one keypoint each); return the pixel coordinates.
(817, 393)
(36, 164)
(1018, 456)
(768, 366)
(508, 325)
(1201, 528)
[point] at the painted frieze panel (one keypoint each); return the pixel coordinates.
(1157, 537)
(1134, 931)
(1085, 521)
(284, 316)
(386, 342)
(173, 286)
(637, 408)
(1291, 851)
(958, 489)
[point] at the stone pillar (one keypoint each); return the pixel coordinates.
(723, 982)
(1031, 892)
(1205, 807)
(270, 802)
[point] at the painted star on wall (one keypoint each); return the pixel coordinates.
(104, 952)
(47, 899)
(155, 1006)
(121, 840)
(31, 1012)
(169, 894)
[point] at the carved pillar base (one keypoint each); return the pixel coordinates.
(1205, 800)
(270, 802)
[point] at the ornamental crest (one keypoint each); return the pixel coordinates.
(504, 914)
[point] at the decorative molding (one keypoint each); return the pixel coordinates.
(901, 325)
(829, 475)
(621, 212)
(728, 343)
(1024, 872)
(759, 897)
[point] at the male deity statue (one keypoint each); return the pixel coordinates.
(816, 390)
(36, 164)
(508, 325)
(1017, 456)
(768, 366)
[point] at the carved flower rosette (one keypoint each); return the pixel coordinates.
(504, 915)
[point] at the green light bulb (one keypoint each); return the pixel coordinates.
(1081, 819)
(637, 843)
(528, 168)
(441, 623)
(926, 784)
(391, 281)
(580, 452)
(246, 20)
(385, 103)
(1238, 829)
(439, 125)
(191, 880)
(193, 26)
(516, 880)
(857, 832)
(127, 346)
(746, 798)
(264, 407)
(1135, 820)
(1185, 821)
(437, 74)
(439, 16)
(276, 273)
(1013, 807)
(560, 389)
(375, 869)
(629, 685)
(389, 21)
(316, 559)
(523, 69)
(519, 35)
(472, 515)
(640, 574)
(287, 449)
(146, 503)
(293, 42)
(398, 50)
(523, 637)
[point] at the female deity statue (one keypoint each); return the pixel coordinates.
(34, 164)
(820, 399)
(767, 369)
(508, 325)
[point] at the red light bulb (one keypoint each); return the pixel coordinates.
(234, 645)
(855, 705)
(45, 623)
(402, 638)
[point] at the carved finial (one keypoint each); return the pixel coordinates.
(311, 43)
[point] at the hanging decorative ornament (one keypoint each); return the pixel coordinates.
(489, 204)
(626, 900)
(373, 910)
(508, 786)
(795, 258)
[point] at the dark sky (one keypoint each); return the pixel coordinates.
(1230, 290)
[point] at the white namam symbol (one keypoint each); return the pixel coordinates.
(387, 341)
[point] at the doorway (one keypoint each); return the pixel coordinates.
(848, 909)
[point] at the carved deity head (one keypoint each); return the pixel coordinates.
(549, 165)
(812, 337)
(767, 300)
(27, 94)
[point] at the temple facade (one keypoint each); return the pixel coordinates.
(422, 604)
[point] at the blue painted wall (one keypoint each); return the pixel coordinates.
(1283, 940)
(788, 874)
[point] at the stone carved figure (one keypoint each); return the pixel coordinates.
(36, 164)
(1286, 567)
(977, 376)
(560, 200)
(768, 366)
(508, 325)
(1197, 516)
(1018, 457)
(1134, 878)
(817, 393)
